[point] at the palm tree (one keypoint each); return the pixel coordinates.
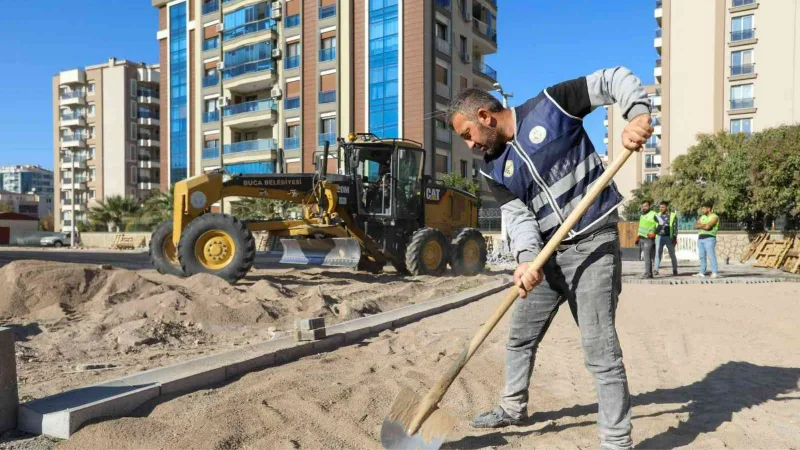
(114, 212)
(158, 207)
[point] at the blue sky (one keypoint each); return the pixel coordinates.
(541, 42)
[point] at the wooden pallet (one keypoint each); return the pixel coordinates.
(771, 253)
(791, 262)
(753, 247)
(122, 242)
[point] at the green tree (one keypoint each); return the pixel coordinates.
(457, 181)
(114, 212)
(158, 207)
(261, 209)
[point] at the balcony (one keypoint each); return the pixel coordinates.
(442, 90)
(743, 69)
(74, 119)
(251, 146)
(257, 113)
(326, 12)
(488, 35)
(211, 44)
(211, 153)
(445, 4)
(73, 98)
(76, 140)
(327, 97)
(211, 6)
(149, 141)
(291, 103)
(443, 46)
(70, 163)
(74, 76)
(330, 137)
(149, 164)
(211, 80)
(743, 103)
(657, 40)
(292, 21)
(327, 54)
(743, 35)
(659, 12)
(652, 143)
(148, 118)
(443, 135)
(148, 185)
(210, 116)
(249, 28)
(250, 77)
(291, 143)
(80, 184)
(291, 62)
(148, 96)
(481, 68)
(67, 206)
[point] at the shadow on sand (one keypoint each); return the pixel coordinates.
(710, 402)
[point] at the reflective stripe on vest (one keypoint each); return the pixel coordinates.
(647, 224)
(704, 220)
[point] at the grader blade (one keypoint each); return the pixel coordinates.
(339, 252)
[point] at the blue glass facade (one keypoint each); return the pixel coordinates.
(383, 72)
(261, 167)
(178, 93)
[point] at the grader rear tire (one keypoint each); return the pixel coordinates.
(427, 253)
(218, 244)
(468, 252)
(163, 254)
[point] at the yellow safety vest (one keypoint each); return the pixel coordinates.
(647, 224)
(704, 220)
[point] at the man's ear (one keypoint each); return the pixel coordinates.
(484, 117)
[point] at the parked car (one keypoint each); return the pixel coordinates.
(56, 240)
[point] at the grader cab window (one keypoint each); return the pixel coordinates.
(375, 179)
(409, 186)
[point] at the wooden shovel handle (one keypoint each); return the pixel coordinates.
(436, 393)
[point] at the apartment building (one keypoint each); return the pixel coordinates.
(721, 65)
(292, 74)
(106, 130)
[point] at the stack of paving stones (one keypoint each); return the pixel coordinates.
(309, 329)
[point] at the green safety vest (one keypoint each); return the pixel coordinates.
(647, 224)
(704, 220)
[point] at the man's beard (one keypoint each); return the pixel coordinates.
(492, 145)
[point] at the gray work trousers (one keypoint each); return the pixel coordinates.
(648, 247)
(588, 275)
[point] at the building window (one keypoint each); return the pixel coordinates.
(441, 31)
(178, 92)
(742, 126)
(91, 109)
(326, 11)
(91, 132)
(91, 152)
(134, 131)
(292, 55)
(133, 109)
(292, 140)
(463, 168)
(442, 75)
(133, 174)
(92, 194)
(476, 168)
(327, 131)
(464, 48)
(383, 75)
(91, 88)
(92, 173)
(464, 84)
(737, 3)
(327, 50)
(132, 152)
(742, 62)
(743, 28)
(442, 164)
(133, 87)
(742, 96)
(292, 21)
(650, 177)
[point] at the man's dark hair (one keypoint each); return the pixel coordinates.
(664, 202)
(470, 101)
(647, 201)
(708, 204)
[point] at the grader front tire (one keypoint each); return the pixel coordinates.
(218, 244)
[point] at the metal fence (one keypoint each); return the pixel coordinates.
(489, 219)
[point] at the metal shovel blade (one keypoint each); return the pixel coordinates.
(338, 252)
(430, 436)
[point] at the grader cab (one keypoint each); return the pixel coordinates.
(377, 208)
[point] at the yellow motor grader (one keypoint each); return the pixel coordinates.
(377, 209)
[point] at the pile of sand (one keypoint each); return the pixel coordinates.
(72, 314)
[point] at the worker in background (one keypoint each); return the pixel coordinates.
(646, 237)
(707, 224)
(666, 236)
